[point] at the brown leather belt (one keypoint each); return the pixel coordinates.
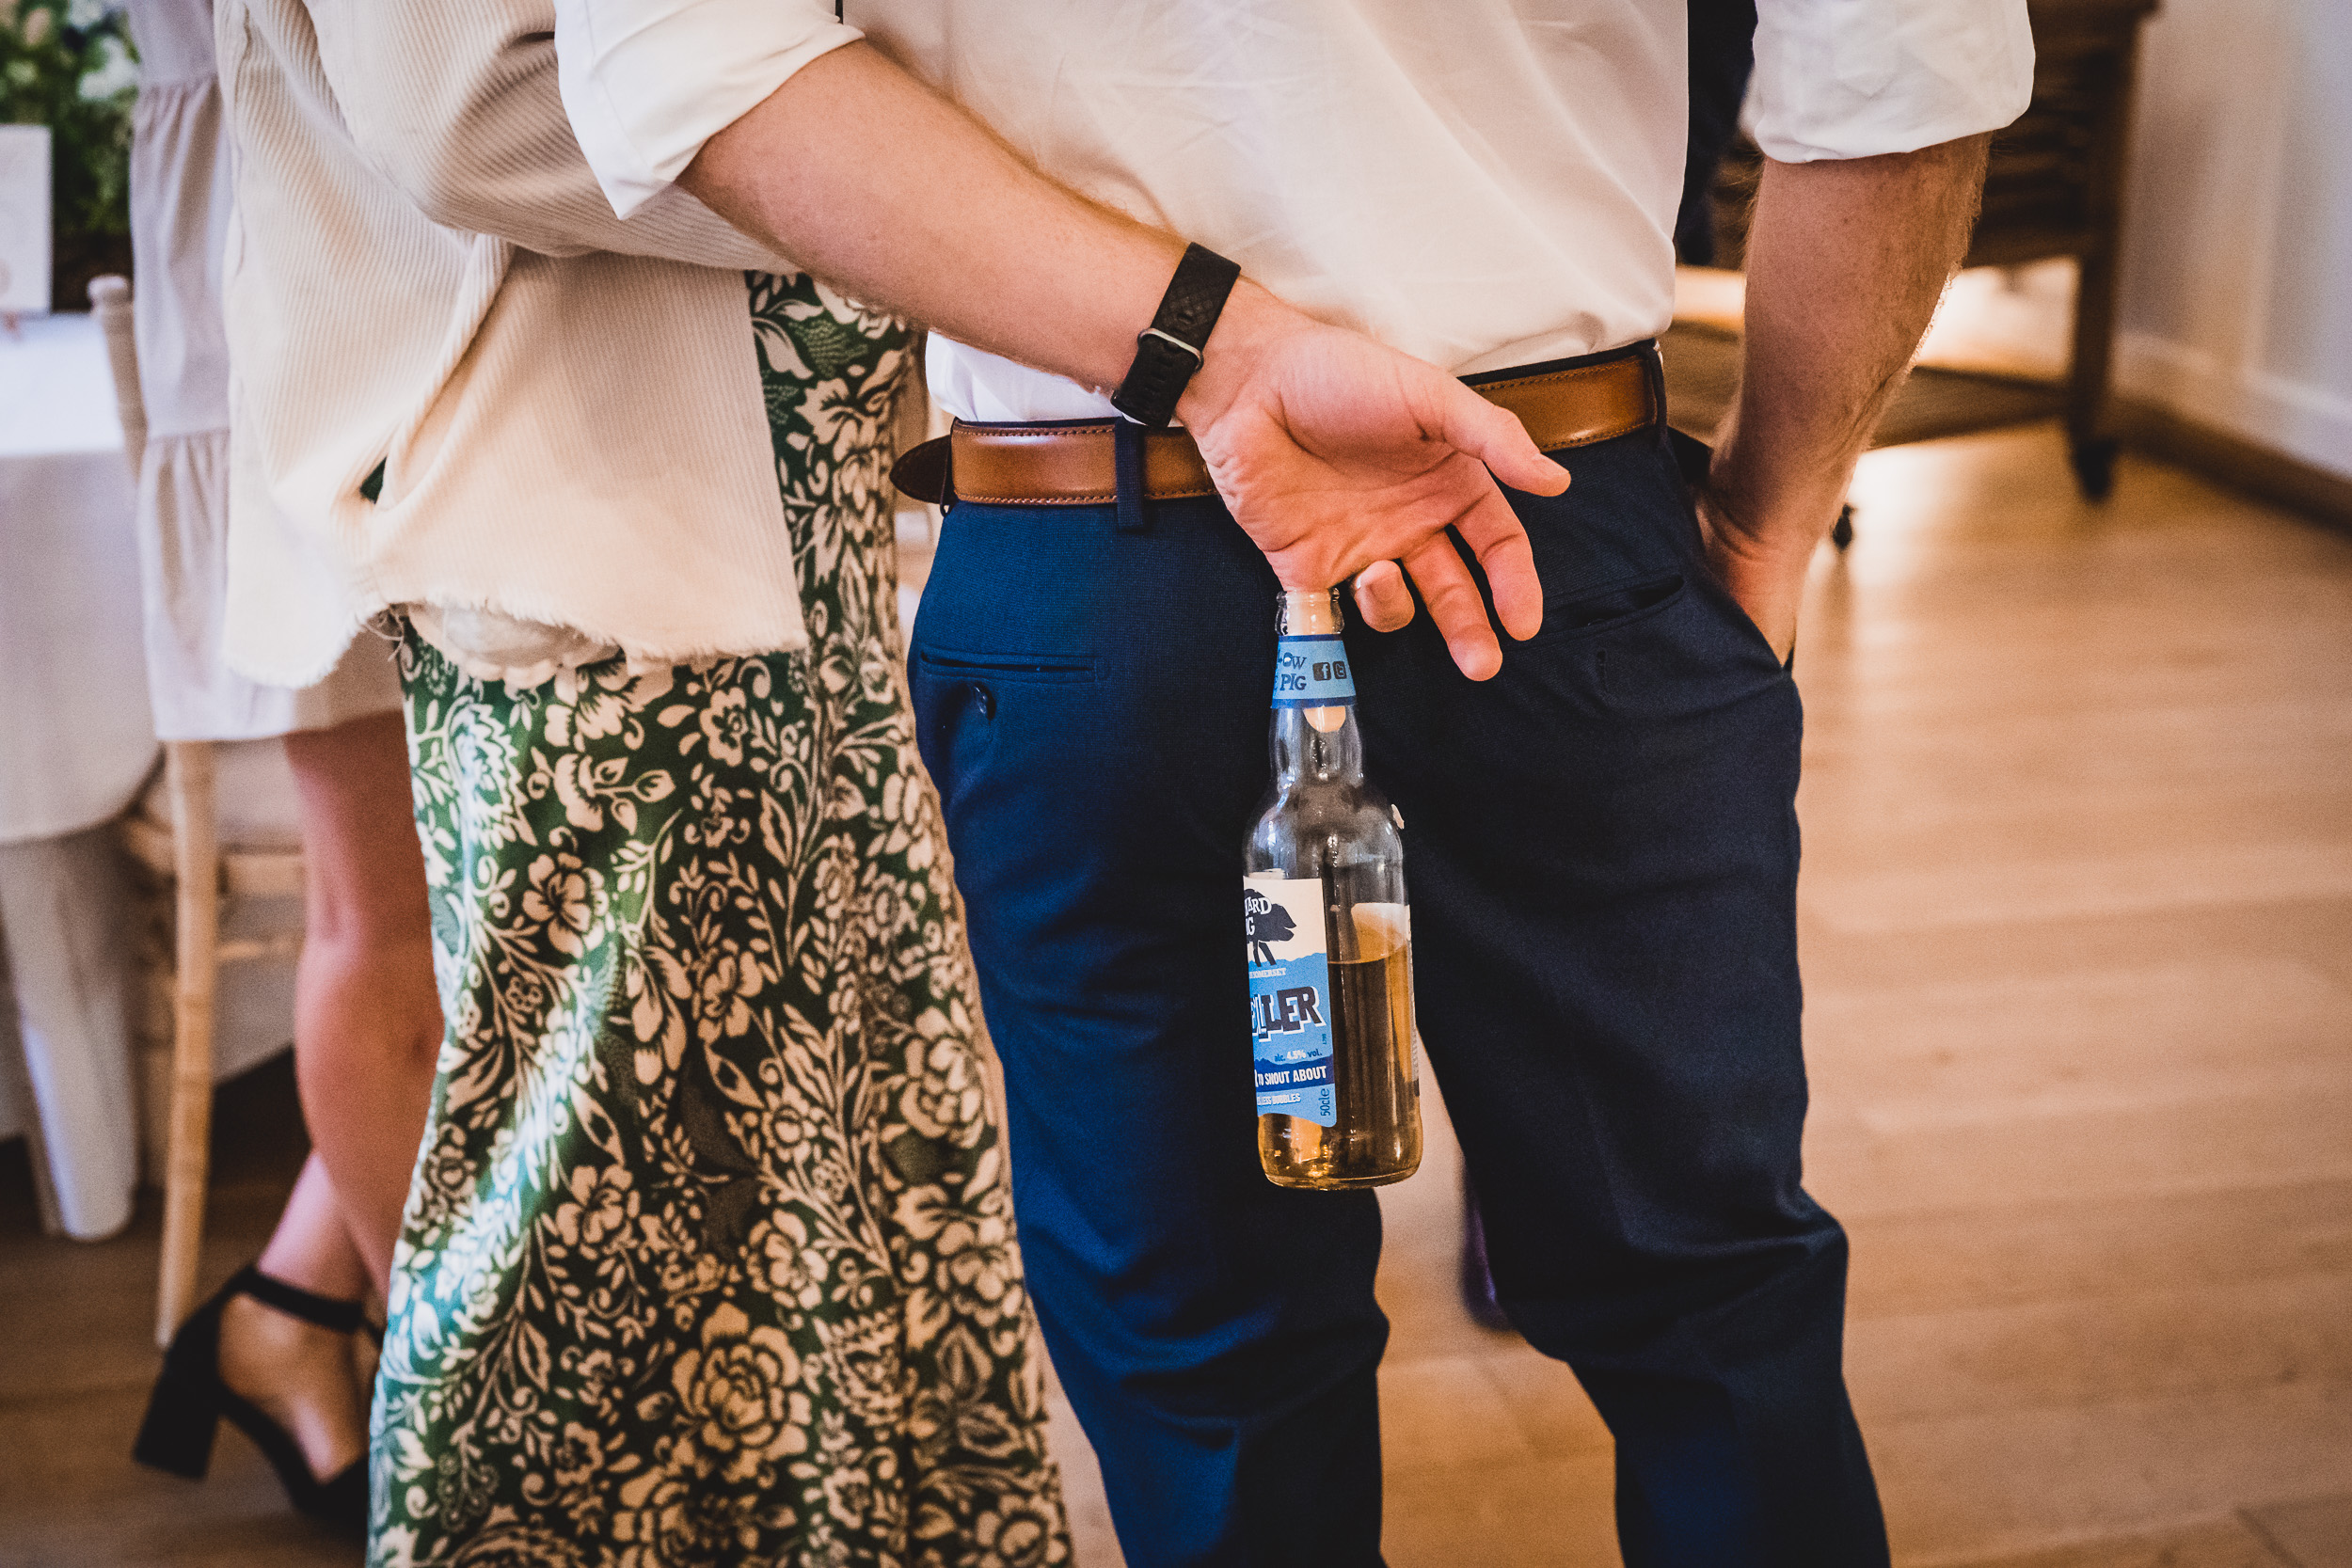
(1073, 464)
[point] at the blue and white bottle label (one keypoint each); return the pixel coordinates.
(1290, 996)
(1311, 672)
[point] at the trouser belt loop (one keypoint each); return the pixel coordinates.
(1654, 372)
(1127, 464)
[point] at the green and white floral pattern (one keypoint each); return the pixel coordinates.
(709, 1256)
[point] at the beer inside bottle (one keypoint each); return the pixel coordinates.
(1329, 937)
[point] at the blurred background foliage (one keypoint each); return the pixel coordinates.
(68, 65)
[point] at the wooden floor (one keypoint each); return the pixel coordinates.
(77, 1353)
(2077, 926)
(2077, 920)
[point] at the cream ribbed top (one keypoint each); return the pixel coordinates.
(422, 272)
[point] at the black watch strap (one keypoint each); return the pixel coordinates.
(1169, 350)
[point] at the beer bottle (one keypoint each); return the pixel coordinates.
(1330, 944)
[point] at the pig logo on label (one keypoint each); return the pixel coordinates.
(1267, 921)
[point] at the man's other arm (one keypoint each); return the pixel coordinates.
(1846, 261)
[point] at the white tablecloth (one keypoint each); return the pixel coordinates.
(73, 710)
(76, 741)
(75, 744)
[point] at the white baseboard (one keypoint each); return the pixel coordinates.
(2305, 422)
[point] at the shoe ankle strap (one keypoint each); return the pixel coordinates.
(335, 1317)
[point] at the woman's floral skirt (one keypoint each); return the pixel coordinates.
(709, 1258)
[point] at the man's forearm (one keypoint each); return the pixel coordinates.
(1332, 451)
(944, 224)
(1845, 263)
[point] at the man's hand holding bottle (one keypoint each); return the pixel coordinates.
(1337, 455)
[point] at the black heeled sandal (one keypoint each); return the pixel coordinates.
(183, 1415)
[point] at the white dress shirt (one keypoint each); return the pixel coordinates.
(1482, 182)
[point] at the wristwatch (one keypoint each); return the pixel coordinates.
(1169, 351)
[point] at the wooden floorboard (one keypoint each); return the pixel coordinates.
(2231, 1542)
(2315, 1532)
(2077, 918)
(78, 1356)
(2077, 927)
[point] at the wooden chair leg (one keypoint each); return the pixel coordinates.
(158, 991)
(196, 854)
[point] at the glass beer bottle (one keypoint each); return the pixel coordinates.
(1331, 956)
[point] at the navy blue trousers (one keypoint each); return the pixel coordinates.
(1601, 854)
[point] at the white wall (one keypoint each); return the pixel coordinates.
(2236, 305)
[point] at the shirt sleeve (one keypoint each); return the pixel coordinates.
(646, 82)
(1857, 78)
(455, 103)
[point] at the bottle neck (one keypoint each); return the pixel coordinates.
(1317, 742)
(1305, 753)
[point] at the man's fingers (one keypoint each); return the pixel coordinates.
(1494, 435)
(1446, 587)
(1499, 540)
(1381, 598)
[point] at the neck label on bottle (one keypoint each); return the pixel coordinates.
(1290, 996)
(1311, 672)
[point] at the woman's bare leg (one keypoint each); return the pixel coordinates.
(367, 1025)
(300, 1374)
(312, 1246)
(367, 1020)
